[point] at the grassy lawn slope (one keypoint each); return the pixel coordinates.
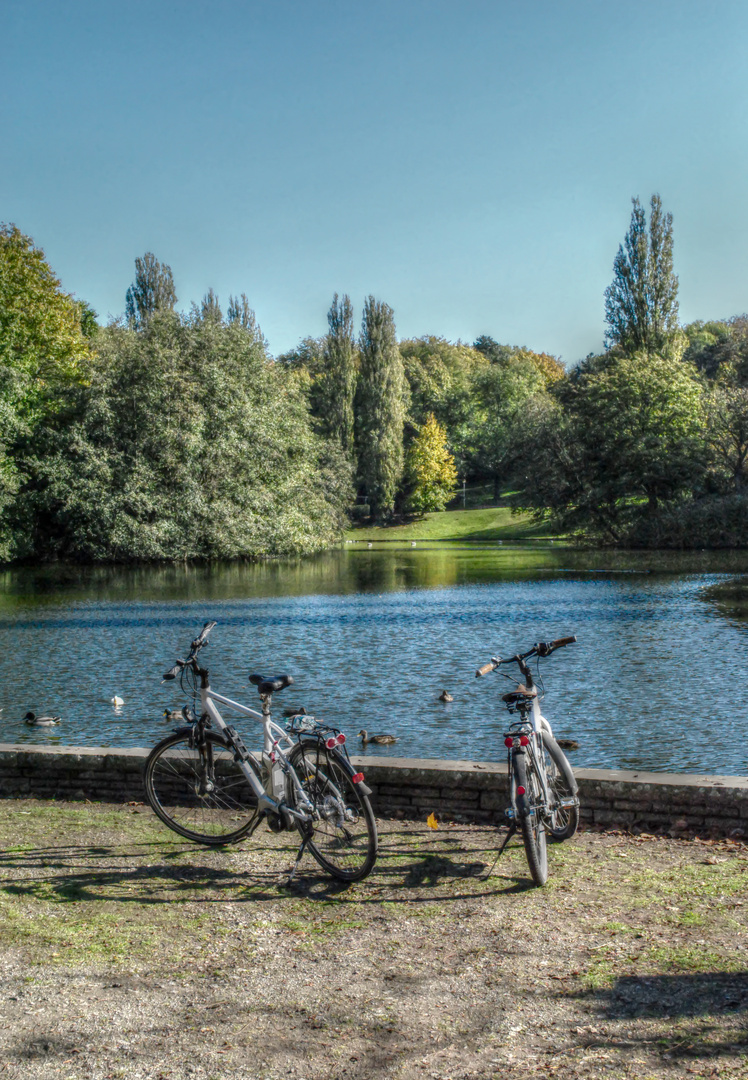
(491, 523)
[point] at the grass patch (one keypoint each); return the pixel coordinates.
(492, 523)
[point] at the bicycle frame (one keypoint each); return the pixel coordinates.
(273, 755)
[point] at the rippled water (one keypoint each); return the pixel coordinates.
(373, 636)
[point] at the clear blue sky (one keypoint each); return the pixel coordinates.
(471, 163)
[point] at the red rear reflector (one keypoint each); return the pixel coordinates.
(331, 744)
(520, 790)
(340, 739)
(523, 740)
(357, 777)
(509, 741)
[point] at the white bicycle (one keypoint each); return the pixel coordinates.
(204, 784)
(543, 793)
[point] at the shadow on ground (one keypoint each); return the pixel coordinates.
(154, 872)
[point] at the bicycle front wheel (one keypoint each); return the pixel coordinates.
(344, 837)
(530, 813)
(200, 792)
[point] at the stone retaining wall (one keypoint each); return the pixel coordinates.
(410, 787)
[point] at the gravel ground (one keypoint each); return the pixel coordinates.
(126, 953)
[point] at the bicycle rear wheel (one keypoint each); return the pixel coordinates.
(530, 811)
(344, 838)
(200, 793)
(563, 820)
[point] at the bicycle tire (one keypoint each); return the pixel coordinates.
(564, 821)
(344, 838)
(224, 812)
(531, 816)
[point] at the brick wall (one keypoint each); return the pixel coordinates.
(408, 787)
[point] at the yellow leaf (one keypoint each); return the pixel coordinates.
(432, 822)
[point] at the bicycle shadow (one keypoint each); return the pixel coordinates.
(155, 872)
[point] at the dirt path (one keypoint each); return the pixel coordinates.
(128, 954)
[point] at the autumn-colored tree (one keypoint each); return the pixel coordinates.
(430, 469)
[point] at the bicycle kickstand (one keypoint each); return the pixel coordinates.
(507, 838)
(299, 857)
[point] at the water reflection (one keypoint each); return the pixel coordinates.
(372, 636)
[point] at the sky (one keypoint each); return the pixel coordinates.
(471, 163)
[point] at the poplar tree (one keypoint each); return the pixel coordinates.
(152, 290)
(641, 304)
(210, 307)
(380, 408)
(340, 372)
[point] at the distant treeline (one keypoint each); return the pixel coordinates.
(170, 435)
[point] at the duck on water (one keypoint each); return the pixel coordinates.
(41, 721)
(378, 740)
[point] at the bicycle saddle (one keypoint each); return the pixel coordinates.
(520, 694)
(270, 686)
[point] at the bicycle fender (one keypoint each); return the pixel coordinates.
(561, 761)
(519, 764)
(361, 787)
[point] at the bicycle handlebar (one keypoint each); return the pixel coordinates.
(543, 648)
(195, 647)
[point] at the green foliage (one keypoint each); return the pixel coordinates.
(613, 442)
(338, 385)
(550, 368)
(712, 521)
(502, 393)
(430, 469)
(726, 410)
(189, 443)
(42, 345)
(641, 306)
(44, 354)
(241, 313)
(380, 408)
(210, 309)
(720, 349)
(152, 290)
(441, 378)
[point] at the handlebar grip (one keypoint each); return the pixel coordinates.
(484, 670)
(560, 642)
(203, 635)
(173, 672)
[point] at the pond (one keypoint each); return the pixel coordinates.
(373, 635)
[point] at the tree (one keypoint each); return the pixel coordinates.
(152, 290)
(430, 469)
(727, 432)
(641, 305)
(502, 391)
(241, 313)
(210, 308)
(611, 444)
(491, 349)
(380, 408)
(42, 344)
(189, 444)
(339, 378)
(720, 349)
